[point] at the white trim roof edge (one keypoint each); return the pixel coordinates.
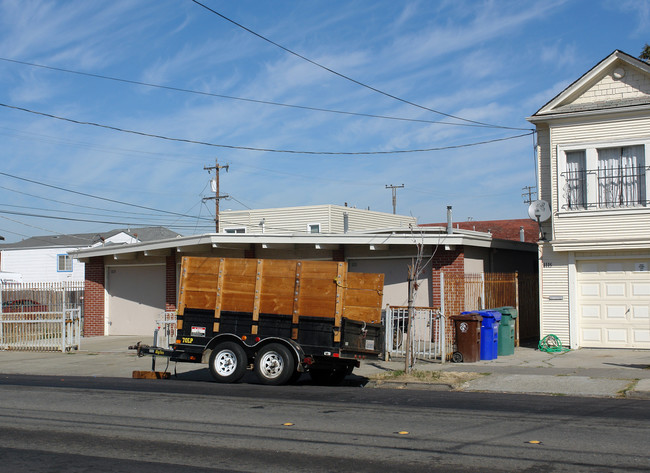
(547, 109)
(467, 238)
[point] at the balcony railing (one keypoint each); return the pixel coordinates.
(621, 187)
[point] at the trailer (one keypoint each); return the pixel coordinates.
(279, 318)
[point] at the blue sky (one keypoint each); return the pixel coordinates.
(492, 62)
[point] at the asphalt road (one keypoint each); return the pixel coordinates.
(54, 424)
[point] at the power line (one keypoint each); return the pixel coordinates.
(245, 99)
(71, 219)
(266, 150)
(71, 204)
(93, 196)
(343, 76)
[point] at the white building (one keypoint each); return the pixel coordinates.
(309, 219)
(45, 259)
(594, 143)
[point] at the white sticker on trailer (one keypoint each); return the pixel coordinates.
(198, 331)
(370, 344)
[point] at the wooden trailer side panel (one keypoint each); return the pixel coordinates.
(363, 297)
(289, 288)
(283, 287)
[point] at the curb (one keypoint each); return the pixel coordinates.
(419, 385)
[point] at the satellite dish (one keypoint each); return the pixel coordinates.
(539, 211)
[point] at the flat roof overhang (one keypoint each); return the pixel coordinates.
(381, 241)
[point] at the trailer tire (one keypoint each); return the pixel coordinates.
(274, 364)
(228, 362)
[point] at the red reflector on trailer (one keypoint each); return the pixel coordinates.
(308, 360)
(335, 355)
(192, 357)
(257, 339)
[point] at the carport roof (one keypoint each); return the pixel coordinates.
(374, 240)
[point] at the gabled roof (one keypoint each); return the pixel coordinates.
(84, 240)
(631, 73)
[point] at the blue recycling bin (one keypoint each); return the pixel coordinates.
(489, 333)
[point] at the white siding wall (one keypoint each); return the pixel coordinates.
(554, 294)
(598, 224)
(296, 219)
(546, 176)
(40, 265)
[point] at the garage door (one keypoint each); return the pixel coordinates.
(136, 299)
(614, 303)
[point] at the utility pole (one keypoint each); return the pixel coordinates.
(215, 188)
(394, 189)
(528, 192)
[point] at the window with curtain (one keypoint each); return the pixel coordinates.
(621, 176)
(575, 177)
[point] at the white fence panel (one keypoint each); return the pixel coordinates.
(429, 327)
(165, 332)
(41, 316)
(42, 331)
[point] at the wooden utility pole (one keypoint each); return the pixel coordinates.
(394, 189)
(217, 167)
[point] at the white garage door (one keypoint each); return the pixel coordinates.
(136, 299)
(614, 303)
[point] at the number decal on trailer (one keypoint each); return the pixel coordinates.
(187, 340)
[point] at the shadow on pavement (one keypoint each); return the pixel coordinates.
(622, 365)
(203, 375)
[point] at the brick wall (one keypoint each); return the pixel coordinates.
(94, 298)
(452, 262)
(170, 283)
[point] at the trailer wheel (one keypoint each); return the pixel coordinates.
(228, 362)
(274, 364)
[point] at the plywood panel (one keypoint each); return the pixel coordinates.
(285, 287)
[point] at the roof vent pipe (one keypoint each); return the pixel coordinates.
(522, 237)
(450, 228)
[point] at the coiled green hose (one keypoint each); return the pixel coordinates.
(551, 344)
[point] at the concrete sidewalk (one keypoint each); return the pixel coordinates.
(584, 372)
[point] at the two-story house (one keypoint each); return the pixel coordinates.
(593, 150)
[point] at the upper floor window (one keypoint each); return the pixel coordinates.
(63, 263)
(576, 180)
(313, 228)
(621, 176)
(604, 177)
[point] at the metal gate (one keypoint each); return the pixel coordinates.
(429, 326)
(41, 317)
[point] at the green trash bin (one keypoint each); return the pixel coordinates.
(506, 335)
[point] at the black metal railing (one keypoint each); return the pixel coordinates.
(620, 187)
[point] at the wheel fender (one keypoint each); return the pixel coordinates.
(226, 337)
(293, 346)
